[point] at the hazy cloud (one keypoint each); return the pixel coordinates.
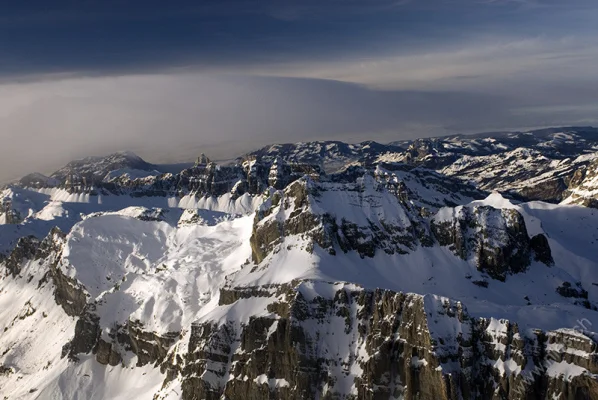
(170, 117)
(227, 76)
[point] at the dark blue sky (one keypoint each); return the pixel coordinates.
(122, 36)
(169, 78)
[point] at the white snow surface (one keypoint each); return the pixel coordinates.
(43, 209)
(152, 271)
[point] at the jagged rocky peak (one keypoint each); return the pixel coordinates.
(353, 210)
(9, 215)
(25, 249)
(496, 239)
(251, 175)
(202, 160)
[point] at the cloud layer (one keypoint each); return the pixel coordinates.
(229, 76)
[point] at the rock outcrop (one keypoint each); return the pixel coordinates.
(298, 211)
(8, 215)
(496, 239)
(583, 186)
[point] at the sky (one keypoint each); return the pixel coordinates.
(170, 79)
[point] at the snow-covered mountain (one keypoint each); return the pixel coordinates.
(330, 155)
(92, 169)
(390, 275)
(535, 165)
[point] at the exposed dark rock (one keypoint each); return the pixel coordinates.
(87, 334)
(541, 248)
(4, 370)
(105, 354)
(327, 231)
(568, 290)
(11, 216)
(24, 250)
(149, 347)
(550, 191)
(496, 238)
(68, 292)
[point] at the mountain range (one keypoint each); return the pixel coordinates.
(458, 267)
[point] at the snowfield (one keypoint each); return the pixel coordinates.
(187, 265)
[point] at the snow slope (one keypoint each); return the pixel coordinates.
(42, 209)
(123, 262)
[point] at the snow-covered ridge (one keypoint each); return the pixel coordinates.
(36, 211)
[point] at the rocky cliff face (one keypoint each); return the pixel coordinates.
(8, 215)
(355, 343)
(302, 210)
(497, 239)
(583, 186)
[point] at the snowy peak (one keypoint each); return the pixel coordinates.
(357, 210)
(365, 218)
